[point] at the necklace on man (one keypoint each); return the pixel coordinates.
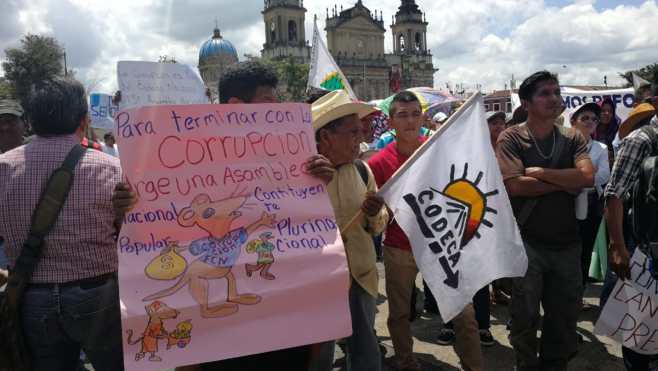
(545, 157)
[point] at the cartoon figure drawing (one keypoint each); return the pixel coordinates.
(264, 248)
(181, 336)
(217, 253)
(168, 265)
(157, 313)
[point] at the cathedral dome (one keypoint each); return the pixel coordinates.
(218, 48)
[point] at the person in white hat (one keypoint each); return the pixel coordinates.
(337, 126)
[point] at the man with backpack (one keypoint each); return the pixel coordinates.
(62, 286)
(337, 126)
(635, 178)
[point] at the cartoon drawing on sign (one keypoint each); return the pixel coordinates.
(449, 219)
(168, 265)
(181, 336)
(264, 248)
(216, 253)
(157, 312)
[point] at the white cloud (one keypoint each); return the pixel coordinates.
(473, 42)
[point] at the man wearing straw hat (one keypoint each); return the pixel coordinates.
(337, 126)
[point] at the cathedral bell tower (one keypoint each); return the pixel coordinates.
(285, 34)
(411, 56)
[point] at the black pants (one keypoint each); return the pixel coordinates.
(480, 303)
(482, 312)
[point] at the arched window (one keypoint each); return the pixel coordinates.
(418, 41)
(272, 32)
(401, 42)
(292, 31)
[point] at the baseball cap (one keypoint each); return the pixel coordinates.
(11, 107)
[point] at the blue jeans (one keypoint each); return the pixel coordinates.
(3, 258)
(362, 347)
(59, 321)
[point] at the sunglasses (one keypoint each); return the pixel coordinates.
(592, 119)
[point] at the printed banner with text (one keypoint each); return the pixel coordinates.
(456, 212)
(232, 248)
(573, 98)
(630, 316)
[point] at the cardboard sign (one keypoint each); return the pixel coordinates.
(231, 245)
(102, 111)
(152, 83)
(630, 316)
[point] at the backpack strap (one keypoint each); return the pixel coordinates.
(44, 217)
(530, 204)
(363, 171)
(652, 132)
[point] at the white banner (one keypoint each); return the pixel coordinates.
(102, 111)
(624, 100)
(152, 83)
(630, 316)
(456, 212)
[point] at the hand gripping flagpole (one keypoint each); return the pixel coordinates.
(423, 147)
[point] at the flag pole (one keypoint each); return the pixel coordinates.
(423, 147)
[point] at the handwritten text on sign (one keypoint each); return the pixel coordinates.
(631, 314)
(151, 83)
(230, 237)
(102, 111)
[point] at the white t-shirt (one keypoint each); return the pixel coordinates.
(112, 151)
(599, 154)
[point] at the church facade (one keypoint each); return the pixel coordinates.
(355, 38)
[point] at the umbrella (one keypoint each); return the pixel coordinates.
(431, 100)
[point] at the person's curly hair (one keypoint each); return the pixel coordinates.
(241, 81)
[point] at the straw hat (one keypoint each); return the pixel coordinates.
(639, 113)
(334, 105)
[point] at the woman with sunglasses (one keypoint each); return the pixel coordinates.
(589, 204)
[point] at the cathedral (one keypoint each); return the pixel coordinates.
(355, 38)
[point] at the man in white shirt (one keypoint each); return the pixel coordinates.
(110, 146)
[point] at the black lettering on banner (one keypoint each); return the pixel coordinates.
(452, 277)
(413, 204)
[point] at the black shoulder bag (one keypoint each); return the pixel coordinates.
(13, 350)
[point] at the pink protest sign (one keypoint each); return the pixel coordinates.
(232, 248)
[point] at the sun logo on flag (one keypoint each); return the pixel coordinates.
(332, 81)
(468, 192)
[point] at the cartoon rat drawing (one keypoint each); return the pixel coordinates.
(217, 253)
(264, 248)
(157, 312)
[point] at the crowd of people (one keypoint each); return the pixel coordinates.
(561, 182)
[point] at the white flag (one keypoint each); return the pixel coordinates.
(638, 81)
(324, 72)
(450, 200)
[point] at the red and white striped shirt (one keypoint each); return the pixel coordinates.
(81, 243)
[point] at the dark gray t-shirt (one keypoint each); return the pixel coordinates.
(553, 220)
